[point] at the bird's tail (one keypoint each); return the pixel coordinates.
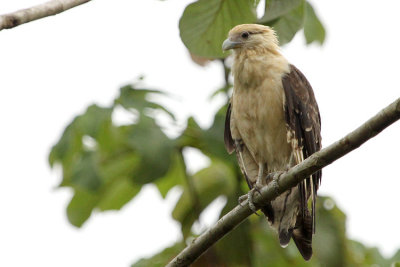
(302, 236)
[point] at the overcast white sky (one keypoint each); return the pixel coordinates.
(52, 69)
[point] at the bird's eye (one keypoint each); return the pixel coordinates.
(245, 35)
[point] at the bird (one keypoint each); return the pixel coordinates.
(273, 123)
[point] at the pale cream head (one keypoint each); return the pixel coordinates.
(251, 36)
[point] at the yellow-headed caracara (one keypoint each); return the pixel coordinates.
(273, 123)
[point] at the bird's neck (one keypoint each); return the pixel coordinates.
(252, 67)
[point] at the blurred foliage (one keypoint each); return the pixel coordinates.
(254, 243)
(106, 164)
(205, 23)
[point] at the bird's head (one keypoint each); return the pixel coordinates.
(251, 36)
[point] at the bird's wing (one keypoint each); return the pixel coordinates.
(229, 143)
(304, 130)
(234, 142)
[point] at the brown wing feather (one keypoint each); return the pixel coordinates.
(229, 143)
(303, 118)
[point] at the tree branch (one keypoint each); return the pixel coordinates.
(289, 179)
(54, 7)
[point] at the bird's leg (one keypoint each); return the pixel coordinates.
(259, 181)
(271, 179)
(250, 195)
(249, 198)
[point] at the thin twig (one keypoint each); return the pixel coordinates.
(289, 179)
(11, 20)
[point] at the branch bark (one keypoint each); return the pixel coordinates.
(54, 7)
(289, 179)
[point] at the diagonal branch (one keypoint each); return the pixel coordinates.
(289, 179)
(54, 7)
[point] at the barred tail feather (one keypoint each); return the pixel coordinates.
(302, 236)
(284, 237)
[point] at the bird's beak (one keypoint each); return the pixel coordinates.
(228, 44)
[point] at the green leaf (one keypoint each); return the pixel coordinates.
(205, 24)
(131, 97)
(209, 183)
(330, 229)
(277, 8)
(81, 206)
(313, 28)
(396, 257)
(235, 249)
(84, 172)
(288, 25)
(118, 193)
(223, 90)
(118, 164)
(95, 121)
(209, 141)
(175, 176)
(69, 145)
(155, 150)
(266, 248)
(162, 258)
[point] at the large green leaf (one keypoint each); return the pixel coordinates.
(80, 161)
(235, 249)
(204, 24)
(175, 175)
(67, 147)
(105, 164)
(277, 8)
(155, 150)
(266, 248)
(85, 173)
(95, 122)
(132, 97)
(313, 28)
(209, 141)
(161, 259)
(209, 183)
(81, 206)
(288, 25)
(119, 163)
(396, 257)
(118, 193)
(330, 229)
(361, 255)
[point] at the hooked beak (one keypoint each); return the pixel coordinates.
(228, 44)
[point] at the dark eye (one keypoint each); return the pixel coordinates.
(245, 35)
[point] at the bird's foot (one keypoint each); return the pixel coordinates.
(249, 197)
(272, 179)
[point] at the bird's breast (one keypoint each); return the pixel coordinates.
(259, 117)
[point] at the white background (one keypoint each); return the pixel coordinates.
(52, 69)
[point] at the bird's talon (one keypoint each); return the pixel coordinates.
(257, 188)
(249, 198)
(242, 199)
(273, 179)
